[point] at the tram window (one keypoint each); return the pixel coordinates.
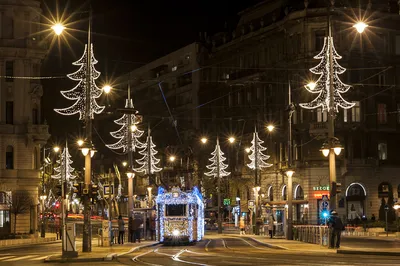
(175, 210)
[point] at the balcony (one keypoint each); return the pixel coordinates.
(39, 134)
(318, 128)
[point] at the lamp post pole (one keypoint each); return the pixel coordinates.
(87, 227)
(130, 157)
(289, 173)
(219, 191)
(331, 123)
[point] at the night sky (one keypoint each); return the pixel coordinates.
(127, 35)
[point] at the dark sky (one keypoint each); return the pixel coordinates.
(127, 34)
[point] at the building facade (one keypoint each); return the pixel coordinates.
(242, 80)
(22, 132)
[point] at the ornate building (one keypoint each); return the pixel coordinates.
(22, 131)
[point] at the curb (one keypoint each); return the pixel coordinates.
(267, 244)
(362, 252)
(108, 257)
(29, 245)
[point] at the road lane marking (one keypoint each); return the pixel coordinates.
(176, 258)
(136, 258)
(20, 258)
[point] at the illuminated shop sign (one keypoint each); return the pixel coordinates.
(319, 194)
(324, 188)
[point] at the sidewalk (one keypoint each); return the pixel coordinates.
(350, 245)
(102, 253)
(20, 243)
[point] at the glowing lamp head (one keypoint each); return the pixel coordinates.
(311, 85)
(289, 173)
(176, 232)
(325, 214)
(133, 128)
(360, 26)
(204, 140)
(56, 149)
(248, 150)
(337, 150)
(80, 142)
(231, 139)
(85, 151)
(270, 128)
(172, 158)
(107, 89)
(325, 152)
(130, 174)
(58, 28)
(124, 164)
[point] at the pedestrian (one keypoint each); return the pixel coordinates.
(121, 230)
(271, 221)
(373, 218)
(242, 226)
(336, 227)
(130, 229)
(136, 226)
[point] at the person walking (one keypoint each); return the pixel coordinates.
(336, 227)
(136, 226)
(121, 230)
(242, 226)
(271, 221)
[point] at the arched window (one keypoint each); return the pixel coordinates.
(10, 157)
(271, 193)
(398, 191)
(384, 189)
(298, 193)
(3, 197)
(35, 114)
(284, 193)
(35, 159)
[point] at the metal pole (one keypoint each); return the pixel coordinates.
(219, 191)
(63, 177)
(289, 234)
(256, 183)
(43, 224)
(331, 121)
(130, 155)
(87, 227)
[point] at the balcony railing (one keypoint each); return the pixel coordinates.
(318, 128)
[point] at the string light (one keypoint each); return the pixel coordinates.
(148, 161)
(257, 157)
(217, 163)
(123, 133)
(323, 83)
(167, 225)
(62, 173)
(78, 93)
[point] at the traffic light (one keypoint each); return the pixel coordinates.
(93, 191)
(57, 205)
(325, 214)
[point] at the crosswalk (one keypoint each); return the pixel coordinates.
(34, 257)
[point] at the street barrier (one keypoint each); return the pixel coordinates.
(314, 234)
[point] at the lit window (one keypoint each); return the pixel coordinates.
(355, 113)
(382, 151)
(345, 115)
(382, 115)
(174, 68)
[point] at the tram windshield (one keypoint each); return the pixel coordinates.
(175, 209)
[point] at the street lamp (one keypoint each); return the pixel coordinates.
(289, 233)
(107, 89)
(56, 149)
(311, 85)
(58, 28)
(204, 140)
(256, 208)
(231, 139)
(124, 163)
(360, 26)
(130, 176)
(270, 127)
(172, 158)
(43, 224)
(133, 128)
(150, 196)
(247, 150)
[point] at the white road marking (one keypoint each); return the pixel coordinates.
(136, 258)
(40, 258)
(20, 258)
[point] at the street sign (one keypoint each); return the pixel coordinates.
(227, 201)
(325, 197)
(325, 204)
(250, 203)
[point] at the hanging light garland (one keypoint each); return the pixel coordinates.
(217, 166)
(257, 157)
(148, 163)
(62, 173)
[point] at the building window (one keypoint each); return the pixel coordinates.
(9, 71)
(258, 93)
(239, 98)
(381, 80)
(284, 193)
(230, 99)
(35, 115)
(382, 115)
(398, 44)
(355, 112)
(294, 117)
(382, 151)
(319, 39)
(10, 157)
(9, 112)
(7, 27)
(321, 116)
(271, 193)
(345, 116)
(398, 116)
(249, 96)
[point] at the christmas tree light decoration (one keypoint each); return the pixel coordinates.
(64, 169)
(257, 157)
(323, 83)
(123, 133)
(78, 93)
(148, 163)
(217, 166)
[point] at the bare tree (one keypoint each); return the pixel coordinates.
(21, 202)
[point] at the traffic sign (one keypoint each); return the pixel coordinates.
(325, 197)
(325, 204)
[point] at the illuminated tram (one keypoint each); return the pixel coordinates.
(180, 216)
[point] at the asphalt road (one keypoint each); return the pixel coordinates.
(211, 251)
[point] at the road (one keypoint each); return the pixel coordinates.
(214, 250)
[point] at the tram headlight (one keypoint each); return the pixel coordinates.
(176, 232)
